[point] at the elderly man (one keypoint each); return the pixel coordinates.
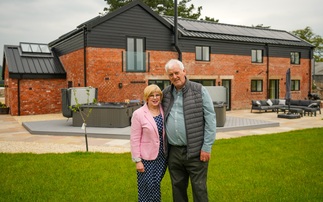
(190, 128)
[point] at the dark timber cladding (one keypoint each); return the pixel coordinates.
(137, 20)
(132, 23)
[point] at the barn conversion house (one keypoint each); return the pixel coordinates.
(122, 52)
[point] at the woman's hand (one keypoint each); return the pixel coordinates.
(140, 167)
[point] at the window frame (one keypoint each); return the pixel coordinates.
(202, 53)
(205, 82)
(134, 61)
(295, 85)
(161, 83)
(254, 87)
(257, 56)
(295, 58)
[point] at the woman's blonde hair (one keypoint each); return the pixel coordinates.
(152, 88)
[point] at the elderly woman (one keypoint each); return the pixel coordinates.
(147, 145)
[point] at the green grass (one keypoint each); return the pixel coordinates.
(277, 167)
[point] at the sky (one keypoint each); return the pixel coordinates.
(43, 21)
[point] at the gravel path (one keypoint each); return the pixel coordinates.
(41, 148)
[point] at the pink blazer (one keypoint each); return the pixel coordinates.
(144, 138)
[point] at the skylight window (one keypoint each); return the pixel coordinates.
(34, 48)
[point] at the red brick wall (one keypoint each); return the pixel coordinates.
(104, 71)
(41, 96)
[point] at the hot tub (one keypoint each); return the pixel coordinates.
(109, 115)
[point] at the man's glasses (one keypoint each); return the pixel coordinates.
(154, 96)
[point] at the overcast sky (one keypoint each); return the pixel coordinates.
(42, 21)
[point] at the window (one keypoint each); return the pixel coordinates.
(202, 53)
(256, 85)
(295, 58)
(256, 56)
(160, 83)
(34, 48)
(204, 82)
(295, 85)
(136, 57)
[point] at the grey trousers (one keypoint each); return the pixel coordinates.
(182, 170)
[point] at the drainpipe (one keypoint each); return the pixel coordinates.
(84, 54)
(267, 48)
(18, 97)
(311, 77)
(176, 31)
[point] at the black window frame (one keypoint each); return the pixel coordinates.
(254, 85)
(205, 82)
(202, 53)
(160, 83)
(295, 85)
(295, 58)
(255, 56)
(135, 67)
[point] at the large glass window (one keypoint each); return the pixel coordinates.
(256, 85)
(160, 83)
(202, 53)
(256, 56)
(295, 58)
(136, 57)
(295, 85)
(204, 82)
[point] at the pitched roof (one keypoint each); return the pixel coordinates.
(28, 64)
(220, 31)
(202, 29)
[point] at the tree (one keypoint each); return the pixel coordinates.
(77, 108)
(163, 7)
(316, 40)
(261, 26)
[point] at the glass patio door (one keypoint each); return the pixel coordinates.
(227, 84)
(274, 88)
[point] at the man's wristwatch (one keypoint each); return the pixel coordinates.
(136, 160)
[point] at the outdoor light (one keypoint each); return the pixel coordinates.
(120, 85)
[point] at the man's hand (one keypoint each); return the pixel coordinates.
(205, 156)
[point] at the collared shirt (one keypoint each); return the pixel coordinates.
(175, 125)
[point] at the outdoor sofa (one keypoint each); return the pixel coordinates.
(309, 107)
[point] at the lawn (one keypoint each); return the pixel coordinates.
(277, 167)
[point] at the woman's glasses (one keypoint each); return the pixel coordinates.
(154, 96)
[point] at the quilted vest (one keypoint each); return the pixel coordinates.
(193, 115)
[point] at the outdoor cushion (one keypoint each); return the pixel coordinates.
(263, 102)
(269, 102)
(282, 102)
(294, 102)
(304, 102)
(258, 103)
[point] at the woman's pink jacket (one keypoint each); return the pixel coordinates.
(144, 138)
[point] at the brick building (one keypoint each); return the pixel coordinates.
(124, 51)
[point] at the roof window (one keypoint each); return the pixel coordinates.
(34, 48)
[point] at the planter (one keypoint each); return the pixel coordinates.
(4, 110)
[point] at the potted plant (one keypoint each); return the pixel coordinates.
(3, 108)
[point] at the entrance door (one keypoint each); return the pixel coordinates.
(274, 88)
(227, 84)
